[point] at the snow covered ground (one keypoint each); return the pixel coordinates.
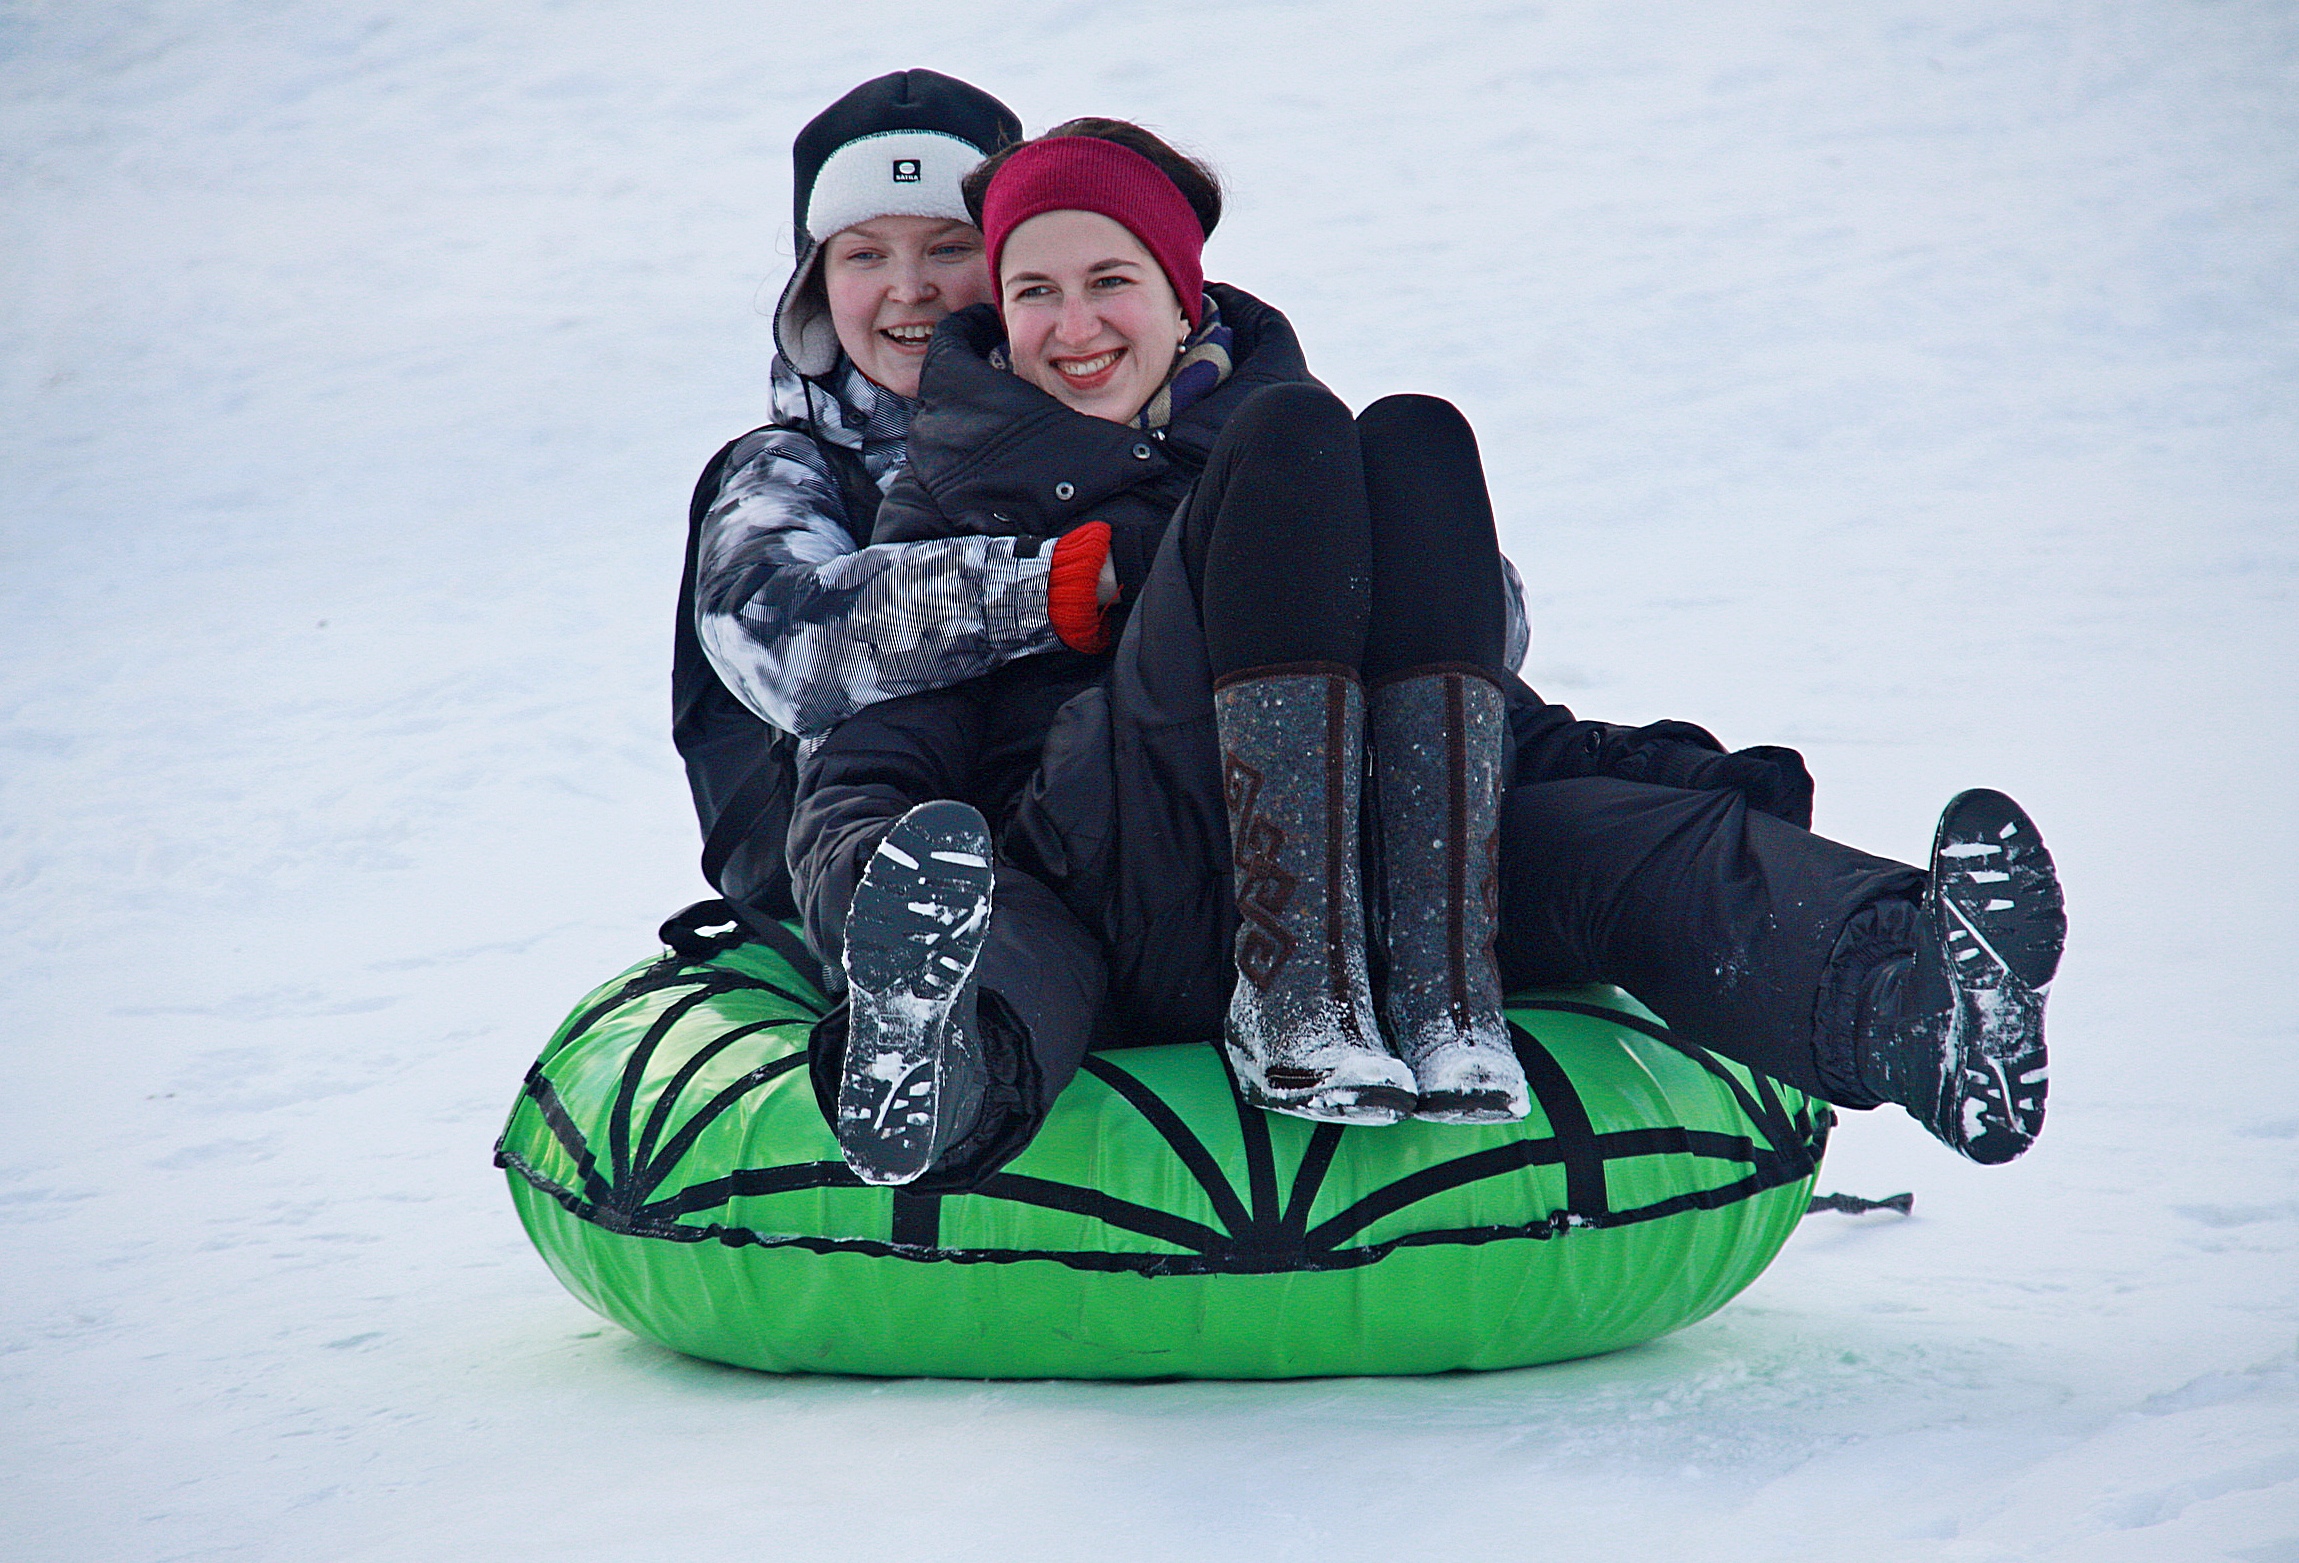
(1910, 381)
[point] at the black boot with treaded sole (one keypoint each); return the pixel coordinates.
(1966, 1054)
(914, 1077)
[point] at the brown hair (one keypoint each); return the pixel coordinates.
(1198, 184)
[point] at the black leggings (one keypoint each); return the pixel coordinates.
(1368, 542)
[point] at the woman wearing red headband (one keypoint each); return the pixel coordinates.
(1178, 826)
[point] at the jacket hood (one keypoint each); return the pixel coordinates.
(997, 454)
(960, 379)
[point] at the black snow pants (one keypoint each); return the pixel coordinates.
(1310, 537)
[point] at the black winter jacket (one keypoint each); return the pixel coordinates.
(992, 454)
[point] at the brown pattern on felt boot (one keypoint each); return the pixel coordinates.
(1264, 888)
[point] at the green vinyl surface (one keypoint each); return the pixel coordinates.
(669, 1161)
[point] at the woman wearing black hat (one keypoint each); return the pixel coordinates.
(788, 622)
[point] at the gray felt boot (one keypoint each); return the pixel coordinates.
(1301, 1033)
(1437, 737)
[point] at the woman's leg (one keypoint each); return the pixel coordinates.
(1002, 1041)
(1312, 537)
(1432, 662)
(1276, 538)
(1853, 978)
(864, 776)
(1322, 545)
(1041, 981)
(1436, 562)
(1721, 920)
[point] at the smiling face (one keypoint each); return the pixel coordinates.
(889, 281)
(1090, 316)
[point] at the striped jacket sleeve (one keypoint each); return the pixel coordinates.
(806, 628)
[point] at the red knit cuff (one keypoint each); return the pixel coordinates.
(1073, 587)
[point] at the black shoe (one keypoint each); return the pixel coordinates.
(914, 1077)
(1966, 1055)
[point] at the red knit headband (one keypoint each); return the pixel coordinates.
(1088, 174)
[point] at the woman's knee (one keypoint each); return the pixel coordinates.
(1439, 593)
(1276, 537)
(1416, 423)
(1423, 470)
(1286, 413)
(1284, 439)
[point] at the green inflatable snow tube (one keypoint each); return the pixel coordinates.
(668, 1159)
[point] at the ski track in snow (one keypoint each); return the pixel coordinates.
(1910, 383)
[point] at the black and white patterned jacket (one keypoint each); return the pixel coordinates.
(805, 624)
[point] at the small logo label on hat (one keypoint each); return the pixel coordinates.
(906, 171)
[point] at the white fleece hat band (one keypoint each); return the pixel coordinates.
(894, 173)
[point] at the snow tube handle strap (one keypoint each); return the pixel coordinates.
(683, 931)
(686, 933)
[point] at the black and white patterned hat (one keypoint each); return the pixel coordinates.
(893, 147)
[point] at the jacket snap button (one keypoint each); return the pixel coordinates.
(1065, 490)
(1141, 453)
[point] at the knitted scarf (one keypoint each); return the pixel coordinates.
(1201, 365)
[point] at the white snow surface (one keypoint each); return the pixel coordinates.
(1908, 382)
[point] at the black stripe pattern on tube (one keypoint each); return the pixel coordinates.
(1262, 1229)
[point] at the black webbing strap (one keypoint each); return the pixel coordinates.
(917, 1220)
(686, 932)
(688, 935)
(1854, 1205)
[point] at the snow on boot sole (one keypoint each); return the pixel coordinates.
(913, 936)
(1461, 1082)
(1998, 924)
(1362, 1090)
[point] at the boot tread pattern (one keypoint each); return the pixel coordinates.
(2000, 924)
(913, 936)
